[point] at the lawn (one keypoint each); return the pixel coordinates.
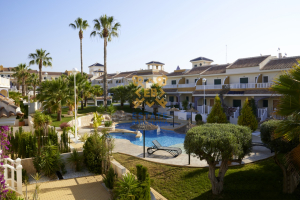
(67, 119)
(261, 181)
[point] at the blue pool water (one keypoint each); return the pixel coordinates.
(164, 137)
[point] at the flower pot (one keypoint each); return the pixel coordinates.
(22, 123)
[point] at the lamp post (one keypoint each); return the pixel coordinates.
(204, 81)
(74, 71)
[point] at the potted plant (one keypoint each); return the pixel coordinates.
(21, 122)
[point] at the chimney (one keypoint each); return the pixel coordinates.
(279, 55)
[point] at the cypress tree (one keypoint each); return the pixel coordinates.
(217, 114)
(247, 118)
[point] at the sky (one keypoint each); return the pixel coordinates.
(169, 31)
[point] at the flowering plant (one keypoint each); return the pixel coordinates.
(4, 146)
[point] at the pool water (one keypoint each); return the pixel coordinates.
(164, 137)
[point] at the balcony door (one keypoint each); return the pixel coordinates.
(244, 82)
(237, 103)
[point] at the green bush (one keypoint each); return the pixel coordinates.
(12, 195)
(253, 106)
(64, 125)
(23, 144)
(75, 159)
(108, 123)
(92, 149)
(185, 104)
(247, 118)
(267, 130)
(198, 117)
(217, 114)
(109, 178)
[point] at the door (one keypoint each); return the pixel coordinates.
(99, 103)
(275, 104)
(211, 102)
(237, 103)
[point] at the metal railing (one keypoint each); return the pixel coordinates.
(186, 85)
(170, 86)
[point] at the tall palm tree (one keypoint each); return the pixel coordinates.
(97, 90)
(106, 28)
(21, 73)
(81, 25)
(34, 80)
(40, 58)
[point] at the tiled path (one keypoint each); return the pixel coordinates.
(85, 188)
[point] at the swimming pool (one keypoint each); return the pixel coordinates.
(164, 137)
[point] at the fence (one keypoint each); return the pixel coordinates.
(14, 166)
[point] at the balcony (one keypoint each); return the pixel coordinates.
(208, 87)
(170, 86)
(235, 86)
(264, 85)
(186, 85)
(4, 82)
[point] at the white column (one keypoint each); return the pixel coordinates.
(153, 66)
(19, 175)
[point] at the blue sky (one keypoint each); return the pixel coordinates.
(169, 31)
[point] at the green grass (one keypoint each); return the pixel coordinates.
(260, 181)
(67, 119)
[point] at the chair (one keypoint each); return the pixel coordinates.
(174, 151)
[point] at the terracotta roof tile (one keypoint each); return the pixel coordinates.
(281, 63)
(247, 62)
(216, 69)
(175, 73)
(198, 70)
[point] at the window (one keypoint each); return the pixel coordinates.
(56, 78)
(45, 78)
(255, 79)
(108, 103)
(145, 80)
(265, 103)
(117, 81)
(187, 98)
(237, 103)
(244, 80)
(196, 80)
(195, 65)
(171, 98)
(8, 75)
(217, 82)
(173, 82)
(265, 79)
(187, 81)
(200, 64)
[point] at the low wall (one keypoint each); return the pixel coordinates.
(86, 120)
(25, 129)
(118, 168)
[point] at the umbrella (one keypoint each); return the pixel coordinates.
(173, 109)
(191, 110)
(144, 125)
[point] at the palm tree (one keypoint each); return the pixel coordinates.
(34, 79)
(87, 91)
(54, 94)
(21, 73)
(40, 58)
(131, 89)
(81, 25)
(120, 93)
(106, 28)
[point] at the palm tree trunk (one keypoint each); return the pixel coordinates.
(34, 92)
(23, 87)
(85, 98)
(105, 73)
(40, 71)
(81, 70)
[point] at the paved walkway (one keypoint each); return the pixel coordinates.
(89, 188)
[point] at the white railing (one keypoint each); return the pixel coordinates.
(264, 85)
(202, 111)
(14, 166)
(208, 87)
(186, 85)
(236, 113)
(4, 82)
(242, 85)
(262, 113)
(170, 86)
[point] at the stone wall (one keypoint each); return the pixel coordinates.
(86, 120)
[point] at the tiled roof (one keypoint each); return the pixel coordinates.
(176, 73)
(124, 74)
(109, 76)
(7, 69)
(96, 65)
(281, 63)
(216, 69)
(247, 62)
(98, 71)
(147, 72)
(154, 62)
(201, 58)
(197, 70)
(5, 113)
(9, 103)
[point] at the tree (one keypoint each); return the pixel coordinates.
(253, 106)
(131, 93)
(34, 82)
(97, 90)
(120, 93)
(87, 91)
(80, 83)
(54, 94)
(247, 117)
(218, 144)
(106, 28)
(281, 147)
(21, 73)
(217, 114)
(40, 58)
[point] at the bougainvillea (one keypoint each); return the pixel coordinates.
(4, 147)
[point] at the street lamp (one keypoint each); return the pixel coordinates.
(204, 81)
(75, 71)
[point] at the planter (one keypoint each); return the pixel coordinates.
(22, 123)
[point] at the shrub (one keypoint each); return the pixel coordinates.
(108, 123)
(253, 106)
(84, 137)
(198, 117)
(217, 114)
(75, 159)
(64, 125)
(247, 118)
(185, 104)
(109, 178)
(12, 195)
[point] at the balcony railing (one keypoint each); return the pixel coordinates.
(186, 85)
(235, 86)
(170, 86)
(264, 85)
(208, 87)
(242, 85)
(4, 82)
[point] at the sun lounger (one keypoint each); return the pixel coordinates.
(174, 151)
